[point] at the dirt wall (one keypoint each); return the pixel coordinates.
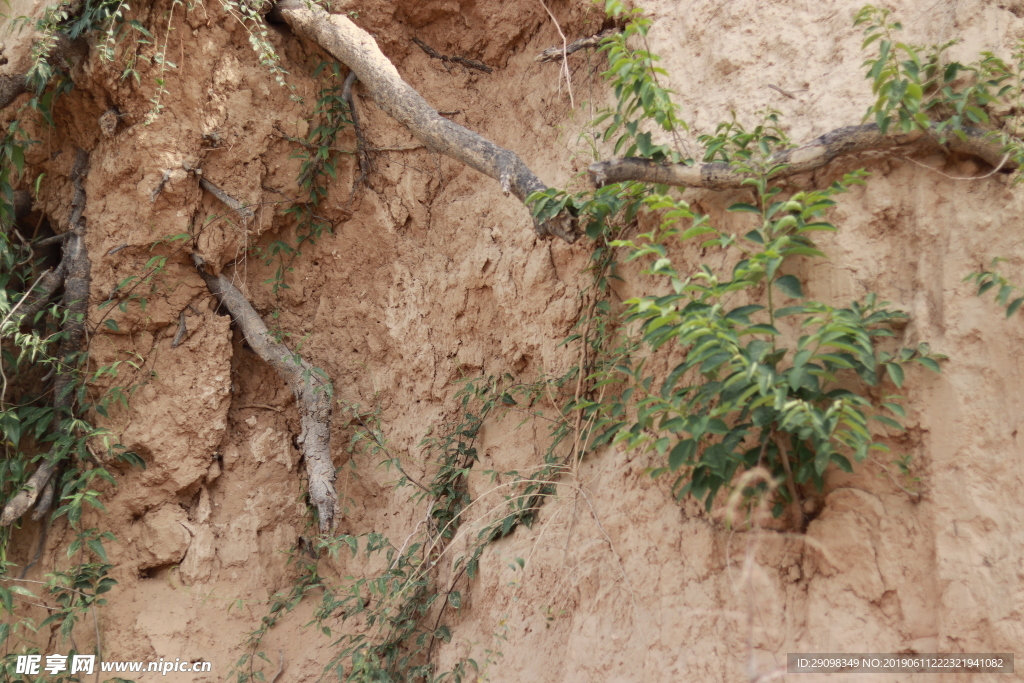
(432, 276)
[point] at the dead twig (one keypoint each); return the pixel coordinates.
(565, 61)
(796, 504)
(787, 93)
(56, 239)
(361, 150)
(262, 406)
(995, 169)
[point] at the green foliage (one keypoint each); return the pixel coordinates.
(319, 160)
(761, 384)
(917, 87)
(1008, 295)
(767, 378)
(31, 431)
(640, 99)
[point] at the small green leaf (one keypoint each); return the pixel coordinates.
(748, 208)
(895, 373)
(895, 408)
(888, 421)
(681, 453)
(789, 310)
(790, 286)
(111, 324)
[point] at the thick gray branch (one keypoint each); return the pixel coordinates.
(357, 49)
(312, 392)
(813, 155)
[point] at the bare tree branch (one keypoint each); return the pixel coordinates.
(813, 155)
(559, 52)
(244, 212)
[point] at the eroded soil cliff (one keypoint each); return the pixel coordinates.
(432, 276)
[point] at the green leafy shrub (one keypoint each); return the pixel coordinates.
(772, 381)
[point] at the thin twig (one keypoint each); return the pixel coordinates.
(565, 53)
(552, 54)
(263, 406)
(245, 212)
(55, 239)
(361, 151)
(998, 167)
(99, 642)
(790, 483)
(788, 94)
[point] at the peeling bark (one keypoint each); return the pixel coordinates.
(76, 302)
(809, 157)
(357, 50)
(312, 392)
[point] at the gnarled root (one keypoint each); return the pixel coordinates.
(312, 392)
(813, 155)
(357, 49)
(75, 271)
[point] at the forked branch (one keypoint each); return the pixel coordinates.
(312, 392)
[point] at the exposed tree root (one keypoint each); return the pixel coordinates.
(312, 392)
(357, 49)
(813, 155)
(361, 151)
(69, 354)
